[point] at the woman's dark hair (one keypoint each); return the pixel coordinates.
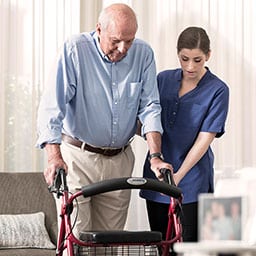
(194, 38)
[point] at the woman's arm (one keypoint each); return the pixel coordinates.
(201, 145)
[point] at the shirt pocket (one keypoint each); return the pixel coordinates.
(133, 94)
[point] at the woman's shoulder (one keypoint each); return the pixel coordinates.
(170, 74)
(215, 79)
(167, 72)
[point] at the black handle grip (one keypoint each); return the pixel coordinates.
(59, 183)
(168, 177)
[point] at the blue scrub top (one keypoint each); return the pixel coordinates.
(204, 109)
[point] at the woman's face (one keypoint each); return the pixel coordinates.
(192, 62)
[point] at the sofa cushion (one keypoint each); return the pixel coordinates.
(24, 231)
(27, 252)
(25, 193)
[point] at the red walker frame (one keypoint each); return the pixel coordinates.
(68, 241)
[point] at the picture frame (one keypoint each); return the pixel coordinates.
(221, 218)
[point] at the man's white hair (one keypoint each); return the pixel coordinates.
(110, 13)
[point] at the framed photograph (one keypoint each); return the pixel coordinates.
(221, 218)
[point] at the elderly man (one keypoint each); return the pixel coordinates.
(103, 83)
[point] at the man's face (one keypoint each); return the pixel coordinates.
(116, 39)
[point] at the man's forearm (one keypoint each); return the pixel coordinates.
(55, 161)
(53, 151)
(154, 142)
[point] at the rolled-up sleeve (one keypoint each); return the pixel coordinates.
(52, 108)
(150, 108)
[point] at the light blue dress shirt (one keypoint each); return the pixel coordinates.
(98, 101)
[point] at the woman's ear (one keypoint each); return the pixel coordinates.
(208, 55)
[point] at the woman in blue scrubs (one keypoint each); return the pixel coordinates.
(194, 110)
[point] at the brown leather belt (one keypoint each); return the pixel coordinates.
(84, 146)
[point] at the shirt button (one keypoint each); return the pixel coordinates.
(174, 113)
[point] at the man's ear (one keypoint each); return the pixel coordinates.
(98, 28)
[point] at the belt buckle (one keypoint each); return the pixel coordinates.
(106, 152)
(82, 146)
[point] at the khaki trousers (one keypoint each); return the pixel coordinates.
(106, 211)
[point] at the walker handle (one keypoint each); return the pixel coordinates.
(130, 183)
(60, 183)
(168, 177)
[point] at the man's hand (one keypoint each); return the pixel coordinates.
(55, 161)
(157, 164)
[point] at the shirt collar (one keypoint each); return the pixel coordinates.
(179, 74)
(97, 43)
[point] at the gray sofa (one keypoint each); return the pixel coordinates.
(27, 193)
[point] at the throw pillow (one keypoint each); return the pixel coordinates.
(24, 231)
